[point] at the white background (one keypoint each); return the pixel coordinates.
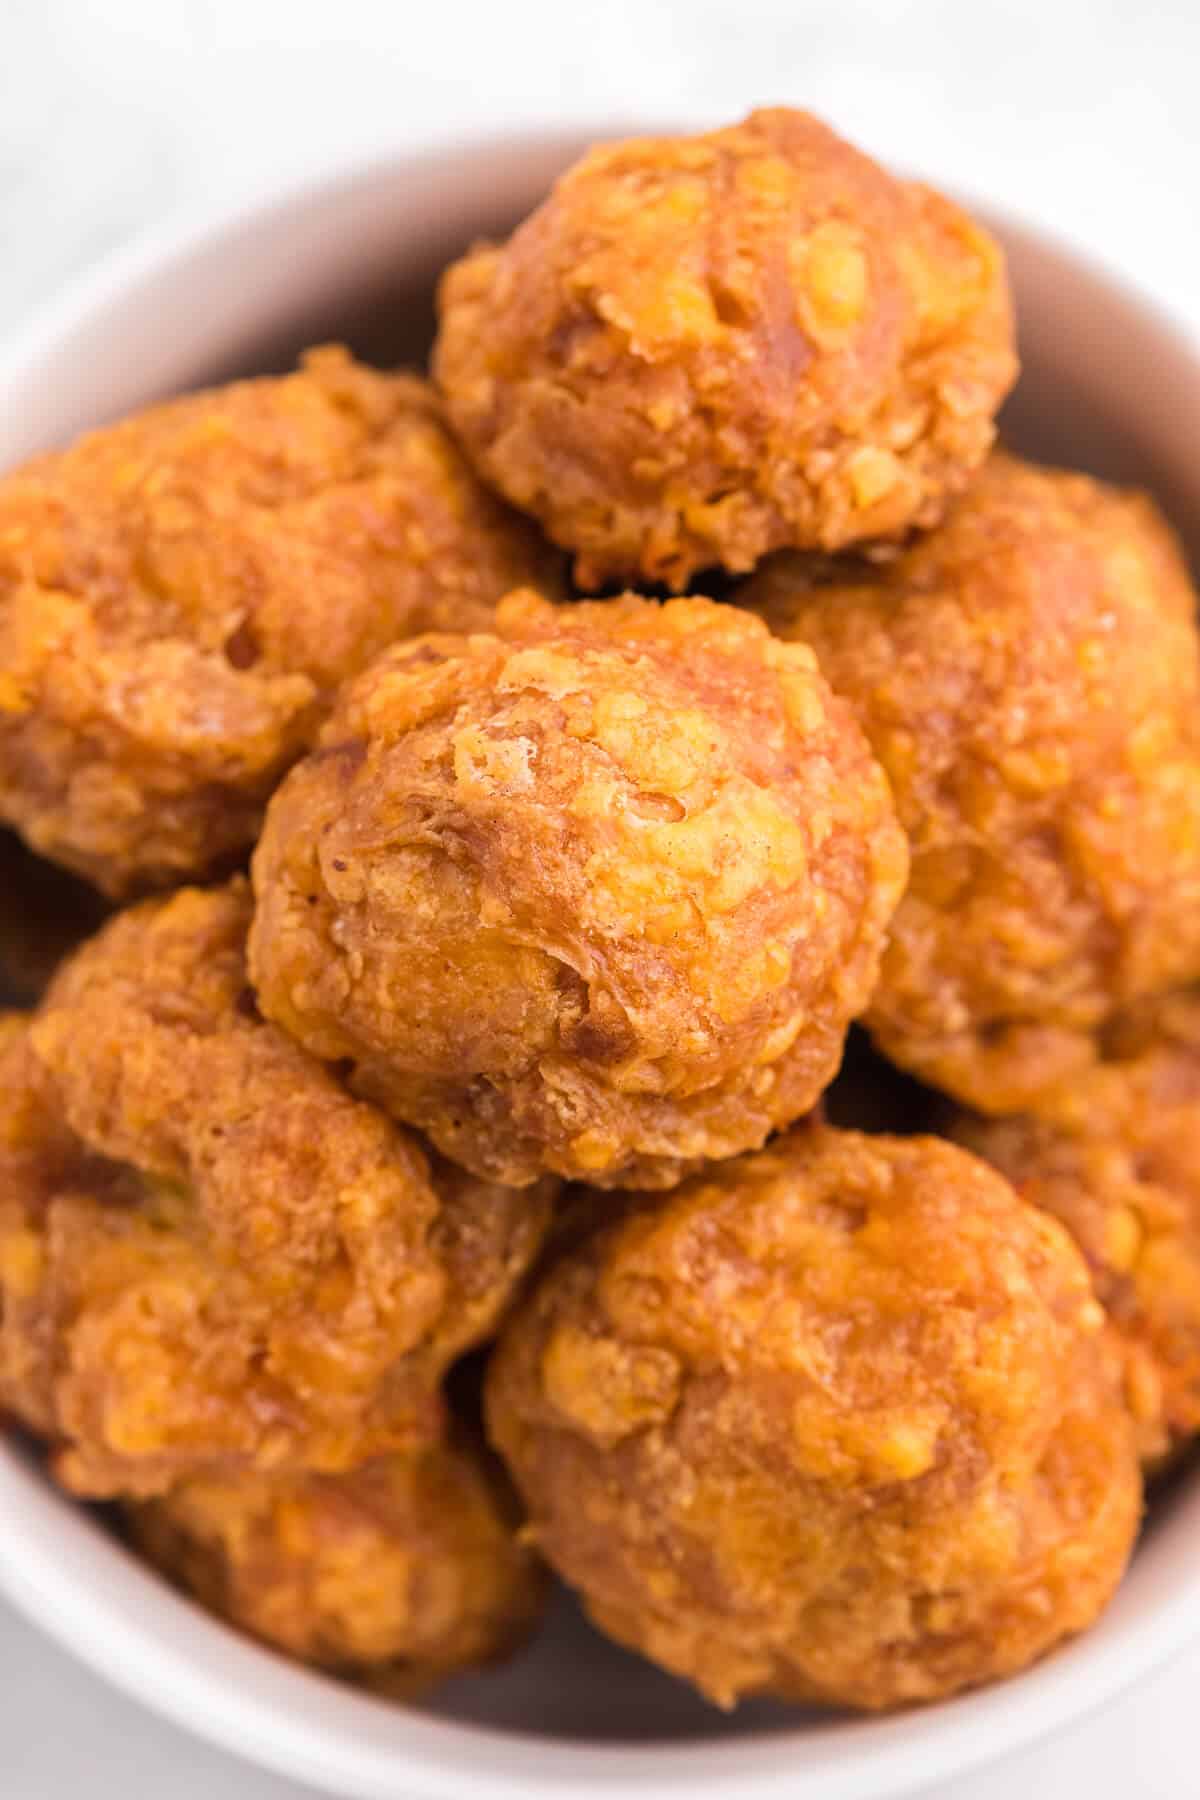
(1084, 115)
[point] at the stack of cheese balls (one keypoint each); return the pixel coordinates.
(567, 881)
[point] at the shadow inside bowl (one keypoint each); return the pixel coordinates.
(573, 1683)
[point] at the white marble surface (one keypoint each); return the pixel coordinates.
(121, 114)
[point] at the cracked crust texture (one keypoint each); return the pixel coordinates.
(396, 1574)
(180, 594)
(212, 1258)
(838, 1421)
(1029, 677)
(598, 893)
(699, 350)
(1114, 1153)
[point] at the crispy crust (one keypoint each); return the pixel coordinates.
(598, 893)
(212, 1258)
(838, 1421)
(181, 593)
(698, 350)
(1114, 1153)
(397, 1574)
(1029, 677)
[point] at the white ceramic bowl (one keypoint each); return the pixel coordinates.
(1110, 386)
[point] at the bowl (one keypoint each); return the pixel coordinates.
(1110, 385)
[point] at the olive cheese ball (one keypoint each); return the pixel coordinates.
(212, 1258)
(596, 893)
(1114, 1153)
(397, 1574)
(1029, 677)
(836, 1422)
(181, 593)
(700, 349)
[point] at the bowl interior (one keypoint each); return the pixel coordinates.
(1108, 387)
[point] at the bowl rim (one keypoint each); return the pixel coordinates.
(157, 1646)
(143, 1638)
(153, 248)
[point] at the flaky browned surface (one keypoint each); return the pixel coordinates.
(180, 593)
(1029, 678)
(701, 349)
(1114, 1153)
(44, 912)
(836, 1421)
(597, 894)
(212, 1258)
(398, 1573)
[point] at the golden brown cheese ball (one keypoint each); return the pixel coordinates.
(597, 893)
(700, 349)
(398, 1573)
(1114, 1153)
(212, 1258)
(1029, 677)
(836, 1422)
(180, 594)
(44, 913)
